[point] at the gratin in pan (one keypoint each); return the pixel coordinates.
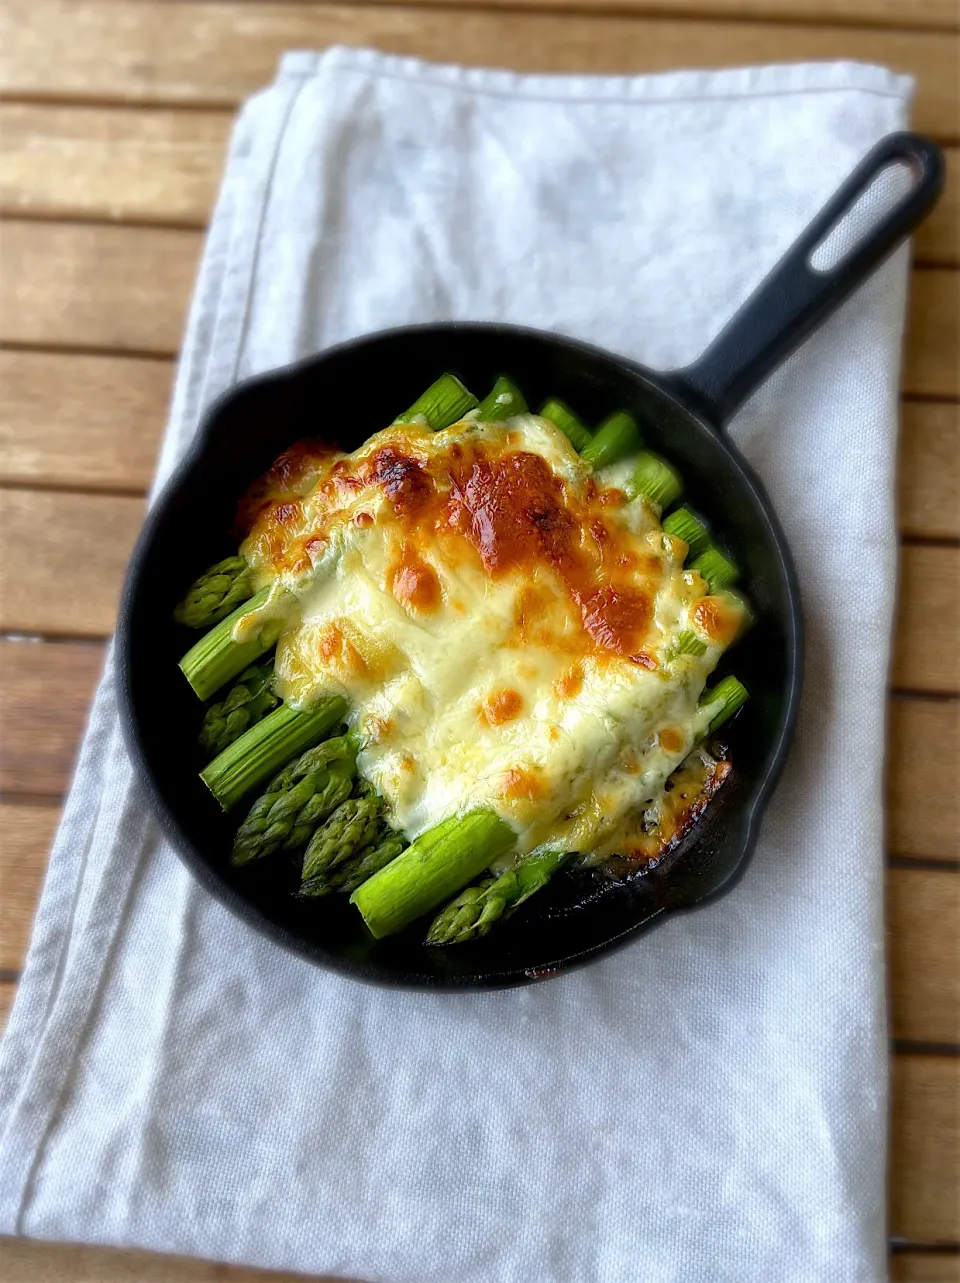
(581, 913)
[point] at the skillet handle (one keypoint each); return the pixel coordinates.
(796, 297)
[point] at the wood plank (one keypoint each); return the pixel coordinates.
(26, 1261)
(923, 922)
(925, 1149)
(923, 810)
(45, 694)
(931, 367)
(103, 436)
(159, 165)
(110, 163)
(64, 560)
(928, 481)
(126, 288)
(217, 53)
(84, 541)
(26, 836)
(925, 1267)
(926, 655)
(76, 285)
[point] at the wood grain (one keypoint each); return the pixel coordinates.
(26, 835)
(126, 288)
(76, 285)
(45, 694)
(925, 1149)
(217, 53)
(925, 1267)
(64, 560)
(926, 655)
(928, 480)
(923, 809)
(155, 165)
(103, 435)
(109, 163)
(923, 920)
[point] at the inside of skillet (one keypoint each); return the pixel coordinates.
(347, 394)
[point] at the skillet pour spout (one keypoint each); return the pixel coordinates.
(581, 915)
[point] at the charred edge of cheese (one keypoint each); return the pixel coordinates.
(501, 622)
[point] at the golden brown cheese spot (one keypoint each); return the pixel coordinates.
(717, 620)
(404, 481)
(293, 473)
(671, 739)
(689, 791)
(501, 706)
(414, 583)
(617, 618)
(339, 652)
(379, 729)
(570, 683)
(520, 784)
(364, 520)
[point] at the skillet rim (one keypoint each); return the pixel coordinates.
(744, 824)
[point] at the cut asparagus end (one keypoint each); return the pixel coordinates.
(434, 868)
(216, 657)
(215, 594)
(682, 524)
(615, 438)
(262, 750)
(719, 571)
(726, 698)
(443, 403)
(656, 480)
(562, 417)
(503, 401)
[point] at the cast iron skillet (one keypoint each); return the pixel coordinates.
(683, 413)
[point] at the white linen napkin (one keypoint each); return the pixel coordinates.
(708, 1104)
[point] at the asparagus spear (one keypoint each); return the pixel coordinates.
(443, 403)
(684, 525)
(216, 657)
(432, 868)
(355, 825)
(245, 704)
(615, 438)
(348, 876)
(309, 787)
(726, 698)
(503, 401)
(218, 592)
(262, 750)
(656, 480)
(563, 417)
(719, 571)
(475, 910)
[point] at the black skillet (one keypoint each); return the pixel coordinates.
(683, 414)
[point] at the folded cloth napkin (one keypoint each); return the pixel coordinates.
(707, 1104)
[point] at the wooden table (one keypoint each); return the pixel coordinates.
(113, 124)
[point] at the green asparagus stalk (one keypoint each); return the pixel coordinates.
(688, 643)
(353, 827)
(310, 786)
(563, 417)
(443, 403)
(726, 698)
(347, 875)
(216, 657)
(503, 401)
(216, 594)
(719, 571)
(262, 750)
(684, 525)
(656, 480)
(433, 868)
(249, 700)
(615, 438)
(475, 910)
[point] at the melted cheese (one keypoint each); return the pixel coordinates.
(501, 621)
